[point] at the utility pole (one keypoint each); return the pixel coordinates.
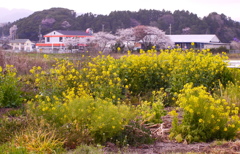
(103, 27)
(170, 28)
(2, 34)
(39, 33)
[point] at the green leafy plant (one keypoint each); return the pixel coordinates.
(9, 148)
(10, 93)
(204, 118)
(150, 112)
(95, 119)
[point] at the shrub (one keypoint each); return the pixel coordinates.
(92, 118)
(101, 77)
(145, 72)
(147, 113)
(10, 93)
(200, 68)
(150, 112)
(134, 75)
(219, 50)
(204, 118)
(231, 93)
(54, 81)
(85, 102)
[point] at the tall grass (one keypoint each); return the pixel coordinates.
(2, 59)
(23, 62)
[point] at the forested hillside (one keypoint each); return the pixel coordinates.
(182, 22)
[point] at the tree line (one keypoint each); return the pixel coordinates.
(177, 22)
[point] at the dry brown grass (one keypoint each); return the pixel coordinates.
(23, 62)
(2, 59)
(234, 56)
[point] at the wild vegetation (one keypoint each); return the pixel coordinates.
(63, 102)
(182, 22)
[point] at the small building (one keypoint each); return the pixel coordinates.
(55, 39)
(21, 45)
(5, 46)
(201, 41)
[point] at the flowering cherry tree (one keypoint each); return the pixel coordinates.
(146, 35)
(71, 43)
(101, 41)
(127, 37)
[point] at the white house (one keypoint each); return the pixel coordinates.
(201, 41)
(21, 45)
(56, 39)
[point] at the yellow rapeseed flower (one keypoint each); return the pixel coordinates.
(201, 121)
(45, 56)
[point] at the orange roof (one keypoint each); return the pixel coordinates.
(54, 45)
(49, 44)
(64, 36)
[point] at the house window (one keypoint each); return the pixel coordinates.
(60, 39)
(48, 39)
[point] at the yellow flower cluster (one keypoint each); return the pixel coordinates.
(207, 117)
(115, 80)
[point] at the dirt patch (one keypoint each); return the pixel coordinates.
(165, 145)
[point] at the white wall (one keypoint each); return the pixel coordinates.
(53, 39)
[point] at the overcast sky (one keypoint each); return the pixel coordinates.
(200, 7)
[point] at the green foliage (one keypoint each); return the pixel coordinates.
(49, 20)
(222, 26)
(100, 119)
(225, 28)
(150, 112)
(201, 68)
(219, 50)
(10, 93)
(172, 70)
(204, 118)
(145, 72)
(9, 148)
(231, 93)
(92, 102)
(133, 75)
